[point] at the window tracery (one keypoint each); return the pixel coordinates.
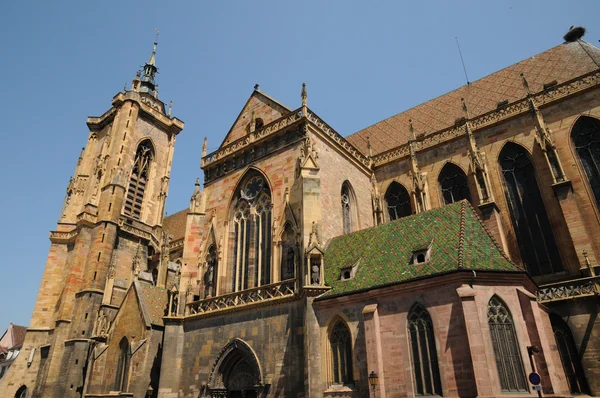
(398, 201)
(347, 208)
(535, 238)
(453, 184)
(506, 347)
(586, 140)
(252, 235)
(341, 350)
(139, 179)
(423, 352)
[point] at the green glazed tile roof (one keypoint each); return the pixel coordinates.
(455, 233)
(155, 300)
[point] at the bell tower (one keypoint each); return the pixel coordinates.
(109, 234)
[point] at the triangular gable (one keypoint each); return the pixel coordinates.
(263, 106)
(151, 300)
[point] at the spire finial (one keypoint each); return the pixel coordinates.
(150, 69)
(204, 146)
(412, 130)
(369, 147)
(256, 87)
(464, 107)
(197, 182)
(525, 85)
(170, 108)
(304, 95)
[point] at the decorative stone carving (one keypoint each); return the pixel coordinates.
(198, 199)
(101, 326)
(418, 179)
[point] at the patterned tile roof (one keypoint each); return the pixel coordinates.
(154, 301)
(175, 224)
(561, 63)
(454, 233)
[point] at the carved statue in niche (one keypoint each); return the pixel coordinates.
(315, 271)
(102, 325)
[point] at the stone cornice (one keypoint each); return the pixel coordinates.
(543, 99)
(237, 148)
(149, 106)
(141, 231)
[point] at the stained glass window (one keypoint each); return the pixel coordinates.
(586, 139)
(532, 227)
(423, 352)
(341, 349)
(398, 201)
(506, 347)
(453, 184)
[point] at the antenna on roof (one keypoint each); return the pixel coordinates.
(461, 60)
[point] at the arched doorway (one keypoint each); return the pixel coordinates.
(236, 372)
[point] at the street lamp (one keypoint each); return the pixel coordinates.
(373, 381)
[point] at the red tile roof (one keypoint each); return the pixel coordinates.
(561, 63)
(18, 335)
(155, 301)
(175, 224)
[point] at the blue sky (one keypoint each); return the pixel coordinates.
(362, 61)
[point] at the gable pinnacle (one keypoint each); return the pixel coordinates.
(304, 95)
(525, 85)
(411, 129)
(464, 107)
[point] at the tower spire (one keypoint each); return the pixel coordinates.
(148, 85)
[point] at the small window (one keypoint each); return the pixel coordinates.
(420, 256)
(346, 274)
(349, 272)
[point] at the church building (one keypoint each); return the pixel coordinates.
(448, 250)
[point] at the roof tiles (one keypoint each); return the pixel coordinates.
(561, 63)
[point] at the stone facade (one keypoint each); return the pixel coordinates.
(236, 297)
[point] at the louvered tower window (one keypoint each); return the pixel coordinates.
(252, 236)
(453, 184)
(506, 347)
(397, 199)
(586, 139)
(423, 352)
(569, 356)
(123, 365)
(139, 179)
(341, 351)
(537, 245)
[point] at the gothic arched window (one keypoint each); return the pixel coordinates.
(569, 356)
(506, 347)
(139, 179)
(340, 340)
(397, 199)
(453, 184)
(348, 208)
(423, 352)
(586, 139)
(22, 392)
(537, 245)
(210, 277)
(252, 236)
(123, 365)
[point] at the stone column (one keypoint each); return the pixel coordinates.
(373, 347)
(476, 341)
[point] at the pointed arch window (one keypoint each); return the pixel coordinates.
(423, 352)
(348, 208)
(453, 184)
(537, 245)
(569, 356)
(506, 347)
(586, 139)
(340, 340)
(123, 365)
(252, 234)
(210, 277)
(22, 392)
(139, 179)
(397, 199)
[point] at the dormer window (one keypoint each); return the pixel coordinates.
(349, 272)
(420, 256)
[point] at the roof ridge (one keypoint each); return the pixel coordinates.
(461, 234)
(489, 233)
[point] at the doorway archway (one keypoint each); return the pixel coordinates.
(236, 372)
